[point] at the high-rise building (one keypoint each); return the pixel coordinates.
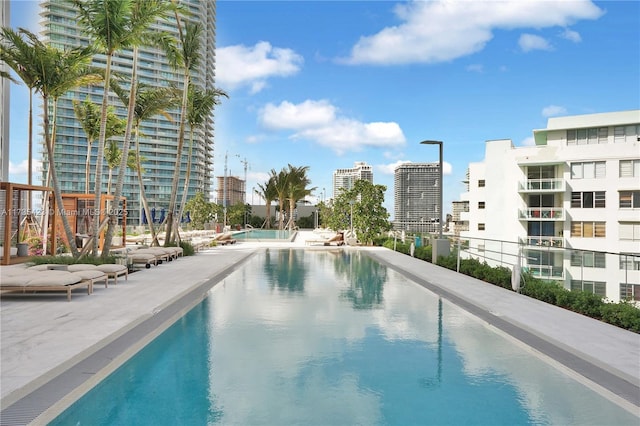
(416, 197)
(231, 189)
(4, 102)
(569, 205)
(344, 179)
(159, 135)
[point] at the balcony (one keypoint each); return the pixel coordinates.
(551, 242)
(543, 214)
(546, 271)
(541, 185)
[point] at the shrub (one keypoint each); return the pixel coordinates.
(623, 315)
(187, 248)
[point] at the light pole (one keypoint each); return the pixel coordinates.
(440, 248)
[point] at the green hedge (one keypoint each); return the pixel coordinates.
(69, 260)
(624, 314)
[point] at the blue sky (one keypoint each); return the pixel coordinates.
(325, 84)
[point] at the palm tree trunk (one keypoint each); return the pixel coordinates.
(268, 218)
(186, 178)
(176, 172)
(87, 166)
(101, 141)
(143, 195)
(30, 146)
(113, 218)
(45, 203)
(56, 187)
(292, 207)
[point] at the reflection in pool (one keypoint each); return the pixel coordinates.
(334, 338)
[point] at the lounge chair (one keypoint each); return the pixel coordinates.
(139, 257)
(224, 239)
(338, 239)
(85, 271)
(46, 280)
(114, 271)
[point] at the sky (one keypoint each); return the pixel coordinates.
(325, 84)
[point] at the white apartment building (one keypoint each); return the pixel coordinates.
(344, 179)
(570, 205)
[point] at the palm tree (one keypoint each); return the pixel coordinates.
(297, 189)
(112, 155)
(115, 25)
(19, 55)
(268, 192)
(88, 114)
(56, 73)
(200, 106)
(148, 103)
(280, 184)
(188, 57)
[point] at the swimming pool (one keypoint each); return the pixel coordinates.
(265, 235)
(333, 337)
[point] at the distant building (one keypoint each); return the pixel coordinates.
(570, 202)
(416, 197)
(234, 193)
(5, 106)
(344, 179)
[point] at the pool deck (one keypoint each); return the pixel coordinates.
(53, 351)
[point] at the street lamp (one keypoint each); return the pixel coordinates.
(440, 246)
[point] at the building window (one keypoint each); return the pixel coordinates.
(595, 287)
(590, 136)
(481, 183)
(589, 170)
(629, 199)
(629, 168)
(481, 205)
(629, 292)
(481, 227)
(588, 259)
(588, 229)
(587, 200)
(629, 262)
(629, 231)
(623, 134)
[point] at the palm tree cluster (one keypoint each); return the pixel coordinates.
(114, 27)
(288, 186)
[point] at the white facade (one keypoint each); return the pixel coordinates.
(344, 179)
(572, 202)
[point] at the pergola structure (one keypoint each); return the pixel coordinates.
(18, 223)
(16, 220)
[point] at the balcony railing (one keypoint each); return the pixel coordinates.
(545, 271)
(554, 242)
(542, 213)
(542, 185)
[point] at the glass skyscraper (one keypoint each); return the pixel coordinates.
(159, 136)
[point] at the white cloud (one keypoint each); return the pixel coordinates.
(290, 116)
(475, 68)
(22, 168)
(389, 169)
(553, 110)
(443, 30)
(530, 141)
(319, 121)
(571, 35)
(239, 65)
(529, 42)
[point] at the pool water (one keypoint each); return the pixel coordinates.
(300, 337)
